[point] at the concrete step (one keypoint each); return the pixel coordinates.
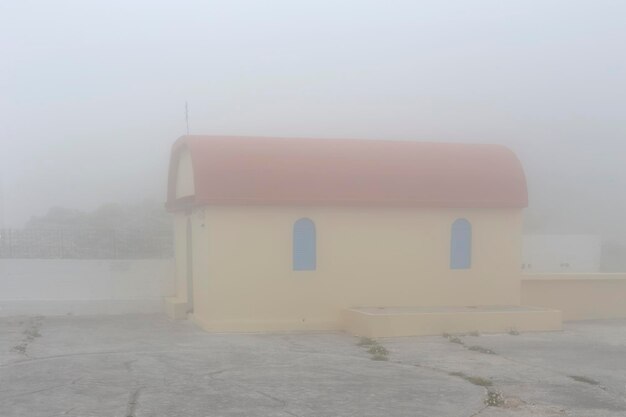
(421, 321)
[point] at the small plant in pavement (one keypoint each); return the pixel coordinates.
(378, 350)
(476, 380)
(366, 341)
(494, 399)
(455, 339)
(481, 350)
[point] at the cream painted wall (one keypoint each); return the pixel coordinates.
(184, 178)
(198, 244)
(180, 255)
(201, 273)
(581, 296)
(243, 278)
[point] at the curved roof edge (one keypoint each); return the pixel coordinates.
(241, 170)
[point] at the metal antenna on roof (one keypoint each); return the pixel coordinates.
(187, 116)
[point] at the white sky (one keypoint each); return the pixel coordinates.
(92, 93)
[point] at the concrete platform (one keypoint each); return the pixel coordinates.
(424, 321)
(148, 366)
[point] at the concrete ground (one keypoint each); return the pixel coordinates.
(146, 365)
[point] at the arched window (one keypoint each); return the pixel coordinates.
(461, 245)
(304, 256)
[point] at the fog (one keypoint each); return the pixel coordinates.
(110, 305)
(93, 94)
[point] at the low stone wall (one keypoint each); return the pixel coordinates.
(68, 286)
(581, 296)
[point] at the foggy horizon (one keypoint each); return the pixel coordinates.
(92, 100)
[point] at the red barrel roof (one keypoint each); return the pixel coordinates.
(231, 170)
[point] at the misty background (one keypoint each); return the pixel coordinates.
(92, 94)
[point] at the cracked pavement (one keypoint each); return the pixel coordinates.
(146, 365)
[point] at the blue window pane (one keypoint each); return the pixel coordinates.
(461, 245)
(304, 256)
